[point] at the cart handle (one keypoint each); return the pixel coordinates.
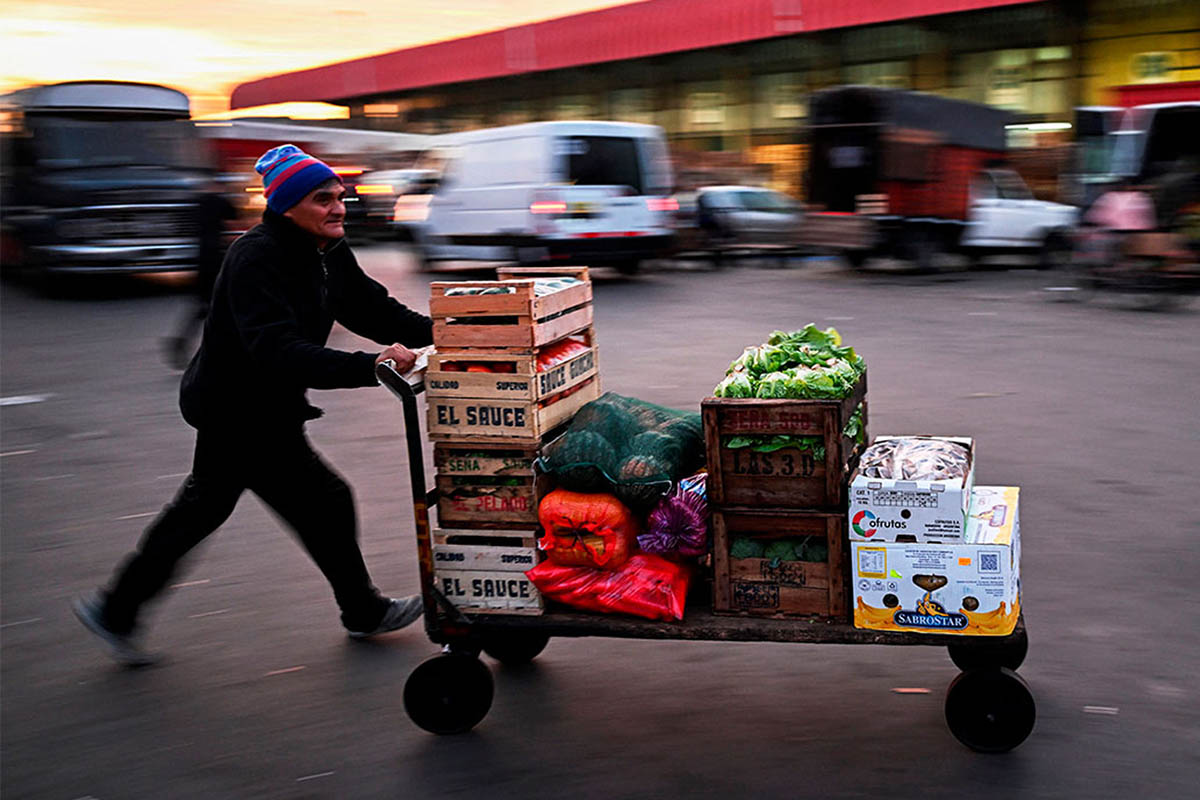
(405, 386)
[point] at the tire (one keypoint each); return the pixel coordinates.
(1055, 252)
(856, 258)
(449, 693)
(976, 652)
(990, 710)
(922, 250)
(516, 647)
(628, 267)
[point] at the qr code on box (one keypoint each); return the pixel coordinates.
(989, 562)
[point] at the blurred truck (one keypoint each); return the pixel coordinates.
(99, 177)
(904, 174)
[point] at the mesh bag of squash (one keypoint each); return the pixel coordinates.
(633, 449)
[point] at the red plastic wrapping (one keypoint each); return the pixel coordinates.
(586, 530)
(644, 586)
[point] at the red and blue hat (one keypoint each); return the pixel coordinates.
(288, 174)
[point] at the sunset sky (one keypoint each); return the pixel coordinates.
(206, 47)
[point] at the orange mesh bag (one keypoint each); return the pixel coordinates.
(586, 530)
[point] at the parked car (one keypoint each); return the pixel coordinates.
(721, 221)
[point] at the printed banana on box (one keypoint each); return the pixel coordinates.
(972, 588)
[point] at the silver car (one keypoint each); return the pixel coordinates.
(731, 220)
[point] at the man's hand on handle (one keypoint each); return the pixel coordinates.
(401, 356)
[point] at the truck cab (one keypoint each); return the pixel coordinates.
(1003, 215)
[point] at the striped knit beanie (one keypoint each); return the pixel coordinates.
(288, 174)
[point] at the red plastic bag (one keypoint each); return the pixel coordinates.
(645, 586)
(586, 530)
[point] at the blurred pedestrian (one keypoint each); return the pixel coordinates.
(282, 286)
(213, 214)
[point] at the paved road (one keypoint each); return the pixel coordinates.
(1090, 408)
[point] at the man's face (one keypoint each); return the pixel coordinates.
(322, 212)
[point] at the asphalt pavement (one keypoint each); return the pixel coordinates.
(1089, 407)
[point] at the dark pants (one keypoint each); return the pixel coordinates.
(287, 474)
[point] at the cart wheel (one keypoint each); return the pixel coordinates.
(466, 646)
(514, 648)
(449, 693)
(977, 652)
(990, 710)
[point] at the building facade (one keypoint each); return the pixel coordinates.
(733, 76)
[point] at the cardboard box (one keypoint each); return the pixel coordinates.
(972, 588)
(891, 510)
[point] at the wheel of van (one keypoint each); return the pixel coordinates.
(922, 251)
(1055, 252)
(629, 266)
(857, 259)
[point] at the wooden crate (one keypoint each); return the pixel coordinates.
(787, 478)
(518, 318)
(485, 485)
(483, 572)
(759, 587)
(522, 381)
(481, 420)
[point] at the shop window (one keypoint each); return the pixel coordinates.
(779, 100)
(631, 105)
(887, 74)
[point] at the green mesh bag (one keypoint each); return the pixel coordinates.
(633, 449)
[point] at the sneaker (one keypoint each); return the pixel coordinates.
(122, 648)
(400, 613)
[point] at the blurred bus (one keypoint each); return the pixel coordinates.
(100, 177)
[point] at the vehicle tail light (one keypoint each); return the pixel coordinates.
(373, 188)
(348, 171)
(548, 207)
(662, 204)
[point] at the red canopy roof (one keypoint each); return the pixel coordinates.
(1137, 94)
(631, 31)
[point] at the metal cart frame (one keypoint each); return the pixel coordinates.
(989, 708)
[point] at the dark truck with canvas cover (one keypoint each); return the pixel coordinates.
(100, 177)
(903, 174)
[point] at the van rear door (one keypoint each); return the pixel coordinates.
(610, 186)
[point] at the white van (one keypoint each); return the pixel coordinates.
(587, 193)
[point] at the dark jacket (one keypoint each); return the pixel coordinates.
(274, 304)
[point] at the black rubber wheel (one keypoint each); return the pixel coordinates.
(922, 251)
(629, 266)
(990, 710)
(976, 652)
(515, 647)
(449, 693)
(1056, 253)
(856, 258)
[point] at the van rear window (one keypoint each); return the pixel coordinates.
(603, 161)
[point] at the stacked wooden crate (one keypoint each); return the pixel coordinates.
(784, 494)
(493, 400)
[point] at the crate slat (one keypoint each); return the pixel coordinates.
(525, 382)
(484, 591)
(480, 503)
(786, 478)
(468, 420)
(761, 587)
(491, 459)
(529, 321)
